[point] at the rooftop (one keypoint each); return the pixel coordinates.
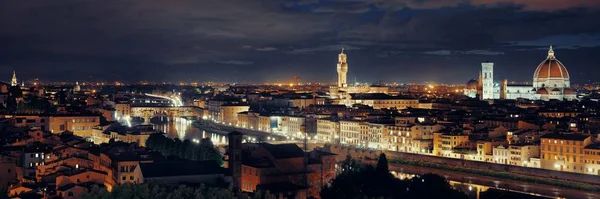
(593, 146)
(570, 136)
(283, 151)
(181, 168)
(378, 96)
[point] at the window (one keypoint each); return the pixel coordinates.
(131, 177)
(124, 178)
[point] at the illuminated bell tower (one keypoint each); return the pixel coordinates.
(342, 69)
(14, 79)
(487, 71)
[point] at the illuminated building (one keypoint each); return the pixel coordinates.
(353, 132)
(485, 151)
(328, 130)
(444, 144)
(80, 125)
(471, 88)
(501, 154)
(381, 101)
(292, 125)
(342, 70)
(375, 135)
(487, 74)
(137, 134)
(76, 88)
(228, 113)
(122, 110)
(413, 138)
(591, 159)
(242, 119)
(342, 89)
(256, 121)
(564, 152)
(14, 82)
(551, 80)
(520, 154)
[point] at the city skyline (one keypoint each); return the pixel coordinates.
(269, 41)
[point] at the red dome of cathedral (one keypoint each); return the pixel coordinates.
(542, 91)
(472, 84)
(551, 68)
(568, 91)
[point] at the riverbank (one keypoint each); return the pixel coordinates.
(503, 175)
(517, 186)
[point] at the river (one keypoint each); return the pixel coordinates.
(183, 129)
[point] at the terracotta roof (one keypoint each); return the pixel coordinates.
(181, 168)
(551, 68)
(570, 136)
(542, 91)
(472, 84)
(568, 91)
(283, 151)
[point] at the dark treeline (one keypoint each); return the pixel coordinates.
(184, 149)
(358, 181)
(159, 191)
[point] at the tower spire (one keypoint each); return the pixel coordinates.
(551, 53)
(14, 82)
(342, 69)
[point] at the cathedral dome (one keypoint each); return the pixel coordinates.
(568, 91)
(551, 68)
(472, 84)
(542, 91)
(76, 88)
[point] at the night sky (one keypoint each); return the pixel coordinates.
(409, 41)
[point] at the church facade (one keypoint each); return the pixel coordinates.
(551, 81)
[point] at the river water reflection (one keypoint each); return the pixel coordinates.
(474, 190)
(183, 129)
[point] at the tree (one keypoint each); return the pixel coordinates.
(184, 149)
(158, 191)
(376, 182)
(432, 186)
(382, 164)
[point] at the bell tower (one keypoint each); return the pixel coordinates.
(342, 70)
(234, 151)
(14, 79)
(487, 71)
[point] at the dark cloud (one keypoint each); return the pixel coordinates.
(273, 40)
